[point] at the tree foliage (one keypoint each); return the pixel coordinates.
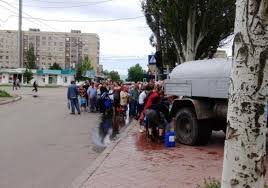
(86, 65)
(190, 28)
(30, 59)
(114, 76)
(55, 66)
(135, 73)
(83, 67)
(28, 75)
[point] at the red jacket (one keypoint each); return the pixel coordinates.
(152, 99)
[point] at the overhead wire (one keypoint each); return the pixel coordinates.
(72, 6)
(82, 21)
(17, 16)
(59, 2)
(36, 23)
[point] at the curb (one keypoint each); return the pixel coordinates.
(85, 176)
(17, 98)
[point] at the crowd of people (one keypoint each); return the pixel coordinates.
(143, 101)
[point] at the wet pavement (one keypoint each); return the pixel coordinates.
(136, 162)
(108, 130)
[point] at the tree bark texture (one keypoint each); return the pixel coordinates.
(245, 144)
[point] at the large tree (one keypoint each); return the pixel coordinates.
(245, 144)
(135, 73)
(30, 59)
(194, 27)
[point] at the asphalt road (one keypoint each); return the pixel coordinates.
(41, 144)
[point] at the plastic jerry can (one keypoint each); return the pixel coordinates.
(170, 139)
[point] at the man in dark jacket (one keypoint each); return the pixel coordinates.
(72, 95)
(103, 90)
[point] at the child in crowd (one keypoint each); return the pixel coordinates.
(83, 100)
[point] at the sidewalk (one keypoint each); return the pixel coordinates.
(6, 100)
(135, 162)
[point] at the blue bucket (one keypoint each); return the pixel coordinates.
(170, 139)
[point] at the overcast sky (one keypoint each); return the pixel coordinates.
(123, 43)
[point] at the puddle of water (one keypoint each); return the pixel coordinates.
(213, 153)
(144, 144)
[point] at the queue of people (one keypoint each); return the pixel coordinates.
(143, 101)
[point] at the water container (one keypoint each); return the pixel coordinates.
(170, 139)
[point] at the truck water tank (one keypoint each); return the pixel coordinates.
(203, 78)
(209, 68)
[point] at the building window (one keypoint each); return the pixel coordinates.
(49, 58)
(49, 38)
(43, 38)
(6, 57)
(1, 57)
(43, 43)
(55, 43)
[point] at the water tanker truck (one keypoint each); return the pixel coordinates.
(202, 88)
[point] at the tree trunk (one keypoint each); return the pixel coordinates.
(245, 144)
(190, 48)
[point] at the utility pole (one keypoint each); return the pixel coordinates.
(20, 35)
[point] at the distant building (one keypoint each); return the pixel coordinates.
(65, 49)
(43, 77)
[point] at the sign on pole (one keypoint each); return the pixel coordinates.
(151, 59)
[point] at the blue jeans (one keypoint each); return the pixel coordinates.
(93, 103)
(74, 104)
(133, 108)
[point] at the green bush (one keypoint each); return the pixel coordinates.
(4, 94)
(210, 183)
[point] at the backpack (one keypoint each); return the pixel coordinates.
(108, 103)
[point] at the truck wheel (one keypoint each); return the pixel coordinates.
(189, 130)
(186, 126)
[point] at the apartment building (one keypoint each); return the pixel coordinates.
(65, 49)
